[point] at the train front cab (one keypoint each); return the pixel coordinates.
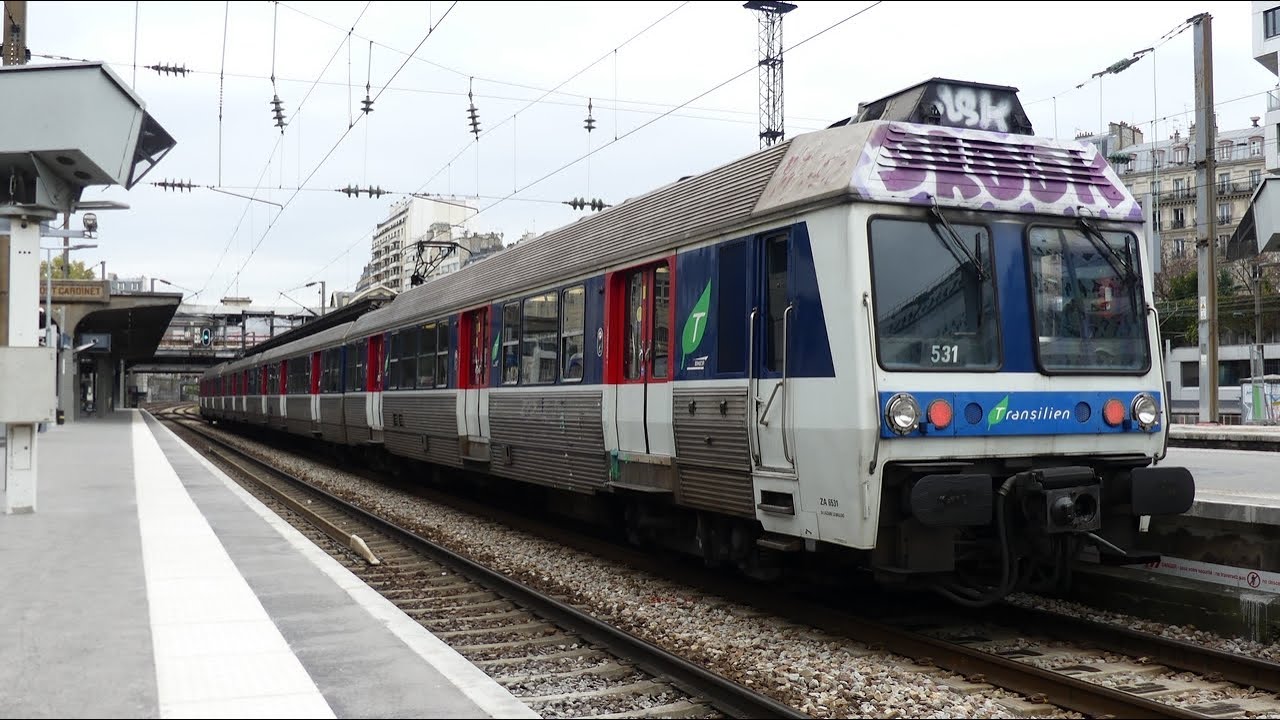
(1018, 394)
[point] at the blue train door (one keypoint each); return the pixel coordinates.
(770, 333)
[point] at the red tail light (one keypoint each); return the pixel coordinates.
(1113, 412)
(940, 414)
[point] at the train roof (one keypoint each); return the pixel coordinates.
(874, 161)
(335, 335)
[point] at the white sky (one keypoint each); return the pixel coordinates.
(1043, 48)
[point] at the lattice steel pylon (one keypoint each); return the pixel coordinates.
(770, 12)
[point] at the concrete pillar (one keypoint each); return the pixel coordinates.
(22, 327)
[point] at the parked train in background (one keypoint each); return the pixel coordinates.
(921, 340)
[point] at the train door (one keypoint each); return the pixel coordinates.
(643, 412)
(375, 374)
(264, 390)
(770, 334)
(476, 394)
(315, 391)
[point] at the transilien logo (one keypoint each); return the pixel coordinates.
(696, 326)
(998, 413)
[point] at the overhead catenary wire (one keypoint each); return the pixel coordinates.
(335, 146)
(222, 69)
(640, 109)
(1118, 66)
(267, 165)
(561, 84)
(695, 98)
(135, 42)
(447, 168)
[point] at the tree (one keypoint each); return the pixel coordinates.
(78, 270)
(1177, 294)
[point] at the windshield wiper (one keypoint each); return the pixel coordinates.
(952, 238)
(1113, 258)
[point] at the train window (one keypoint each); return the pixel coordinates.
(409, 358)
(731, 308)
(442, 356)
(1089, 309)
(427, 356)
(362, 361)
(299, 377)
(393, 362)
(661, 321)
(540, 332)
(776, 273)
(480, 358)
(935, 296)
(572, 329)
(510, 343)
(333, 377)
(351, 382)
(633, 358)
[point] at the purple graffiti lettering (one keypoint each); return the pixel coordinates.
(1084, 193)
(1047, 191)
(948, 183)
(900, 179)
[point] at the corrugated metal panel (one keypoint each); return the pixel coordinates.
(553, 438)
(353, 407)
(713, 455)
(422, 426)
(681, 212)
(274, 419)
(332, 426)
(254, 412)
(298, 413)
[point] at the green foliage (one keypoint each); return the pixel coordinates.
(1179, 307)
(78, 270)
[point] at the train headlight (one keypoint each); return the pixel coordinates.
(1145, 411)
(902, 413)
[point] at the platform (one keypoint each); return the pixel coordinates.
(1240, 437)
(148, 584)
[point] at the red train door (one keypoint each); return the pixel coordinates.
(643, 315)
(476, 329)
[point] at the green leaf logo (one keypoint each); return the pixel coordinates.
(495, 351)
(997, 414)
(696, 326)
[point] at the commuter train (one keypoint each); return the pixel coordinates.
(921, 339)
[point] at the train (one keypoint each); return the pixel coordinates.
(920, 342)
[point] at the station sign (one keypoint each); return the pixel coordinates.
(78, 291)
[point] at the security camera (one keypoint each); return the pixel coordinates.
(86, 346)
(90, 222)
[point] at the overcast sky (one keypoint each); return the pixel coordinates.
(203, 240)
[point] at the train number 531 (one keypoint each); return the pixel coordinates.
(944, 354)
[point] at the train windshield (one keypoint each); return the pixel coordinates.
(935, 295)
(1087, 290)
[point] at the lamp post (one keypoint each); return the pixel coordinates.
(48, 313)
(48, 284)
(322, 293)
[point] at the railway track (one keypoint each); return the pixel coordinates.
(1106, 671)
(557, 659)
